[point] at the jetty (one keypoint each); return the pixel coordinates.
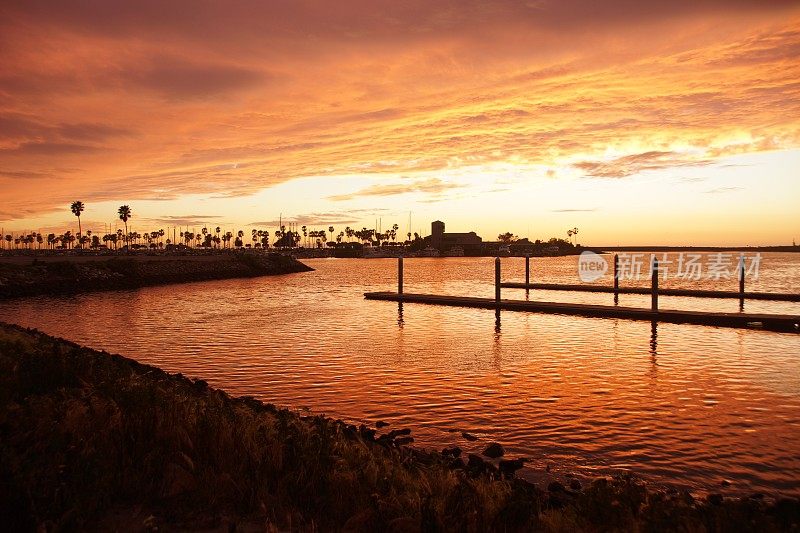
(767, 321)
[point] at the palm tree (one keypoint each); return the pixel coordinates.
(77, 208)
(330, 230)
(124, 213)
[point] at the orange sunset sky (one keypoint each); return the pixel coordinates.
(638, 122)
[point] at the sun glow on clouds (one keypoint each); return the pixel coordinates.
(493, 117)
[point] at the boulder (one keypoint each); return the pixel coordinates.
(455, 451)
(402, 441)
(509, 466)
(398, 432)
(494, 450)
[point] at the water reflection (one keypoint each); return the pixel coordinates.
(654, 338)
(653, 351)
(567, 390)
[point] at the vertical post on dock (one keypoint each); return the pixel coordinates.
(741, 280)
(654, 287)
(527, 270)
(497, 279)
(741, 276)
(399, 275)
(616, 274)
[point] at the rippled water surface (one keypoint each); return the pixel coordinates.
(688, 405)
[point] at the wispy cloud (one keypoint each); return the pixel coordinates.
(574, 210)
(430, 186)
(723, 190)
(183, 220)
(335, 218)
(629, 165)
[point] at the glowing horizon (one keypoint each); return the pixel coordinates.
(642, 124)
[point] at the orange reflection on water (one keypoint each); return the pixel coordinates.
(686, 404)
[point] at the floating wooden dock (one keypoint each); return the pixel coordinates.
(775, 296)
(786, 323)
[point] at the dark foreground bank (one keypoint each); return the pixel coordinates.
(74, 274)
(95, 441)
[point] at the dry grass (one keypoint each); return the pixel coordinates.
(84, 434)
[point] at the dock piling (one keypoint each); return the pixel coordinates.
(616, 275)
(654, 287)
(399, 275)
(497, 279)
(741, 275)
(741, 281)
(527, 269)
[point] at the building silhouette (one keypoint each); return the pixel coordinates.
(468, 243)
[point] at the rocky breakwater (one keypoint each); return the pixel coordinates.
(69, 275)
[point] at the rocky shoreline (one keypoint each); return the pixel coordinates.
(76, 274)
(90, 440)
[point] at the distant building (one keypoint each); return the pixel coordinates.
(458, 243)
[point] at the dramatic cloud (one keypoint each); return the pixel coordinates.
(153, 100)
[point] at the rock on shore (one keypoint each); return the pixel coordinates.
(74, 274)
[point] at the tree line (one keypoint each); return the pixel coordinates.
(216, 238)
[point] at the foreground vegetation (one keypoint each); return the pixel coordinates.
(90, 440)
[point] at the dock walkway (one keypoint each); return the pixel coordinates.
(775, 296)
(785, 323)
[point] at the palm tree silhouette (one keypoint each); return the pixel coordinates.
(124, 213)
(77, 208)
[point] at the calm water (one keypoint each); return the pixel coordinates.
(690, 405)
